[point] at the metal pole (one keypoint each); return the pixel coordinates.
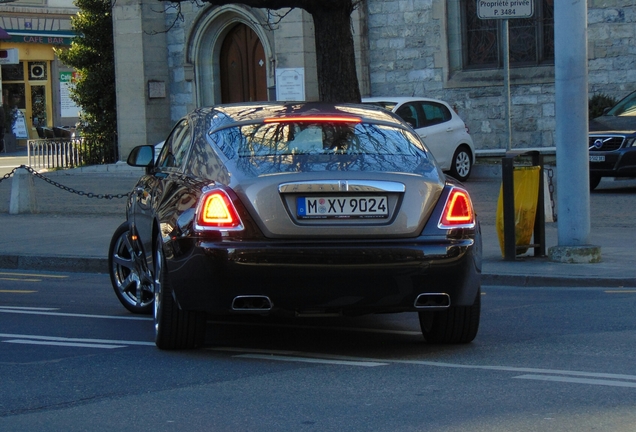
(571, 87)
(508, 194)
(506, 70)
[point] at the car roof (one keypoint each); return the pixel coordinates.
(400, 99)
(258, 111)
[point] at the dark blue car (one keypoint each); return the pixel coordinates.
(612, 142)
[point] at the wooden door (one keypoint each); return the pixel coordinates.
(243, 67)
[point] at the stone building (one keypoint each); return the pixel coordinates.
(172, 58)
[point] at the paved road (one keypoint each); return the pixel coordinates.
(8, 163)
(558, 359)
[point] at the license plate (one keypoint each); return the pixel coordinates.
(342, 207)
(597, 158)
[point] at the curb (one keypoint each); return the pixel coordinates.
(556, 281)
(100, 265)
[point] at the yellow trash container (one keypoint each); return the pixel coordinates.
(526, 193)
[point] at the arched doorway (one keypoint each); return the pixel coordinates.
(243, 66)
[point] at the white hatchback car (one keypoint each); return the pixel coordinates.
(439, 126)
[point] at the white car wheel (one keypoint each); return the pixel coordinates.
(462, 164)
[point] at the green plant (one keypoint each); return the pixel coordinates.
(598, 103)
(92, 54)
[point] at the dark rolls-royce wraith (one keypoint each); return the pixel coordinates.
(305, 209)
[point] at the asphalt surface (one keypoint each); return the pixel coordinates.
(75, 219)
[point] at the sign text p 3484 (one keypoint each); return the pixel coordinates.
(504, 9)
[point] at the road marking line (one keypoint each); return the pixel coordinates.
(620, 291)
(28, 312)
(73, 340)
(28, 308)
(555, 378)
(34, 275)
(311, 360)
(20, 280)
(66, 344)
(17, 291)
(529, 371)
(523, 370)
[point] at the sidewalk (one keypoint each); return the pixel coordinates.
(72, 232)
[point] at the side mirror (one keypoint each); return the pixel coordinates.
(141, 156)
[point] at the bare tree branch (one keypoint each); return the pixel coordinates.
(308, 5)
(274, 18)
(179, 17)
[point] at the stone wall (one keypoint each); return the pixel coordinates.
(612, 47)
(140, 59)
(414, 47)
(403, 48)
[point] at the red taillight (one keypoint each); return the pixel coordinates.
(216, 211)
(458, 211)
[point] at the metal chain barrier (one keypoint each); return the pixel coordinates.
(61, 186)
(551, 189)
(550, 172)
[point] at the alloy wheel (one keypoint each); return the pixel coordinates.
(130, 279)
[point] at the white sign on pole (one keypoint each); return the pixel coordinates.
(505, 9)
(290, 84)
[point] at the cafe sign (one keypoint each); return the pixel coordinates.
(20, 36)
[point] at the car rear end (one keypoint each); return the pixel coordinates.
(352, 218)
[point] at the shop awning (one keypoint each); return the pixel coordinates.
(50, 37)
(4, 34)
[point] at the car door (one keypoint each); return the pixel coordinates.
(437, 131)
(150, 190)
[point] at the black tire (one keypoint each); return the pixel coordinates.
(594, 182)
(455, 325)
(462, 163)
(174, 328)
(131, 283)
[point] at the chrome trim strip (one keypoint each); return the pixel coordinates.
(341, 186)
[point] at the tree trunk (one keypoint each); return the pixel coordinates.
(335, 54)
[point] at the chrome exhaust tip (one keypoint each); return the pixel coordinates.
(432, 300)
(253, 303)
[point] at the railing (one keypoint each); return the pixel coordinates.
(67, 153)
(54, 153)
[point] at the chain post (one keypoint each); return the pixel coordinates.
(551, 189)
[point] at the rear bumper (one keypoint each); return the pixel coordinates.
(349, 278)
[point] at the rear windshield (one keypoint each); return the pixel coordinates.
(315, 138)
